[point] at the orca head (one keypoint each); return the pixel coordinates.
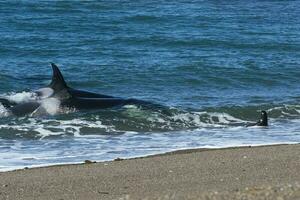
(263, 118)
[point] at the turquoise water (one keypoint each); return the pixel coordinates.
(213, 64)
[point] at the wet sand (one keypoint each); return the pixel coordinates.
(269, 172)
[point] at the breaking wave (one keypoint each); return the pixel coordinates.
(128, 119)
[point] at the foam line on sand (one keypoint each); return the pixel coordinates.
(268, 172)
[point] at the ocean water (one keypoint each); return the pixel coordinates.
(213, 65)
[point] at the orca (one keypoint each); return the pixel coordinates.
(67, 97)
(263, 121)
(79, 99)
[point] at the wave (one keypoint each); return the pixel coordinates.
(129, 118)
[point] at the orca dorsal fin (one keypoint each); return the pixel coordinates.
(58, 83)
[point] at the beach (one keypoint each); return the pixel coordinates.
(266, 172)
(182, 74)
(161, 94)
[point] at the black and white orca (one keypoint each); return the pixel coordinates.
(64, 96)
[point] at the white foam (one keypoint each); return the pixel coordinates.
(46, 133)
(206, 119)
(224, 118)
(190, 118)
(286, 110)
(132, 144)
(21, 97)
(49, 127)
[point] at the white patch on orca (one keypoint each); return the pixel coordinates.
(51, 105)
(44, 92)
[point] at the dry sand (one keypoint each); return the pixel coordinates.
(269, 172)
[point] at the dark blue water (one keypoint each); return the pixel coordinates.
(213, 64)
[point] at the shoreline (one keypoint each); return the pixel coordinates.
(183, 174)
(172, 152)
